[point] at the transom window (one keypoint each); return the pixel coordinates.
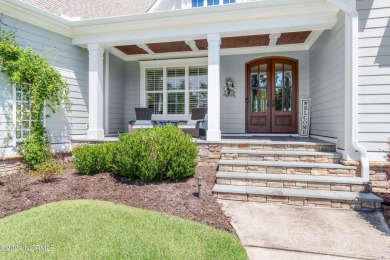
(197, 3)
(200, 3)
(175, 90)
(212, 2)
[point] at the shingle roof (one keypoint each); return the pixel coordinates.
(92, 9)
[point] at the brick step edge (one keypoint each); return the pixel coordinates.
(355, 184)
(286, 164)
(290, 177)
(299, 197)
(281, 152)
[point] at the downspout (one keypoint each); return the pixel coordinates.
(351, 85)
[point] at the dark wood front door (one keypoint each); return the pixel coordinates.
(271, 95)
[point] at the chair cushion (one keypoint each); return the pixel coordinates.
(192, 122)
(143, 123)
(142, 126)
(186, 126)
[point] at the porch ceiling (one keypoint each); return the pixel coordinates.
(226, 43)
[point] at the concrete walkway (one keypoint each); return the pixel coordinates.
(270, 231)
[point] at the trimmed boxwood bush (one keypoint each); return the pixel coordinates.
(159, 153)
(149, 154)
(90, 159)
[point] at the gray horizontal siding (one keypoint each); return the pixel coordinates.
(233, 109)
(132, 90)
(6, 126)
(116, 95)
(72, 63)
(327, 78)
(374, 76)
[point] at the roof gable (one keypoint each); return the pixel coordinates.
(92, 9)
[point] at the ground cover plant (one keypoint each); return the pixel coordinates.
(88, 229)
(48, 170)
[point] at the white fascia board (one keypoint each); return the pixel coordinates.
(198, 22)
(35, 16)
(173, 62)
(164, 56)
(229, 28)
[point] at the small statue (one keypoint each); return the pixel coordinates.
(229, 88)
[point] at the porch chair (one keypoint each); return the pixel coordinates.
(192, 126)
(143, 117)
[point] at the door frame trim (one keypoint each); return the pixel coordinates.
(296, 103)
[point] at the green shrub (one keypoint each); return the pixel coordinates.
(157, 153)
(47, 170)
(1, 182)
(35, 149)
(90, 159)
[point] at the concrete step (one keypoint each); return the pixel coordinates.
(355, 184)
(302, 197)
(282, 167)
(280, 155)
(265, 145)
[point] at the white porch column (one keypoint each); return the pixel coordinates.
(96, 83)
(214, 97)
(353, 149)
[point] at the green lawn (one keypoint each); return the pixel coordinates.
(88, 229)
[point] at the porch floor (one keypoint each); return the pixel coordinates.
(244, 138)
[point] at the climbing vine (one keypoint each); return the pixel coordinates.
(46, 88)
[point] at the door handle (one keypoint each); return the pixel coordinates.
(266, 102)
(246, 100)
(273, 103)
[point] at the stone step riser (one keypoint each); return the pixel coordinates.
(292, 184)
(283, 147)
(300, 201)
(284, 158)
(289, 170)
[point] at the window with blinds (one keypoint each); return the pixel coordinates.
(154, 90)
(176, 90)
(198, 78)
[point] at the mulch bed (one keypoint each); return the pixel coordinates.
(174, 198)
(385, 206)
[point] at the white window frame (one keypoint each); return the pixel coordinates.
(165, 64)
(185, 4)
(14, 121)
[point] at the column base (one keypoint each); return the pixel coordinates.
(95, 134)
(213, 135)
